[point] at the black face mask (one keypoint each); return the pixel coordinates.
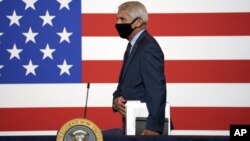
(125, 29)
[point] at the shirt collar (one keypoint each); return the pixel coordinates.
(134, 39)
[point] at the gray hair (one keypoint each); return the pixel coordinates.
(135, 10)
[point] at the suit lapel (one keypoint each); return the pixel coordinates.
(135, 47)
(130, 58)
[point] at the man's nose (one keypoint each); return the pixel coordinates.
(118, 21)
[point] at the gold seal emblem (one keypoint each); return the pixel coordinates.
(79, 129)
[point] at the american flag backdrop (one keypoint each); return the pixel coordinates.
(50, 49)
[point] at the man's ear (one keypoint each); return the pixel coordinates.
(139, 22)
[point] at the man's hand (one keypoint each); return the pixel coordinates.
(119, 105)
(146, 132)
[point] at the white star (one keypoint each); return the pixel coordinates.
(64, 35)
(47, 52)
(64, 3)
(30, 36)
(30, 4)
(14, 52)
(47, 18)
(14, 19)
(64, 67)
(30, 68)
(1, 66)
(1, 33)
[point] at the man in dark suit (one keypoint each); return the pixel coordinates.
(142, 74)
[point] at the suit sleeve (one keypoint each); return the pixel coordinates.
(115, 95)
(152, 71)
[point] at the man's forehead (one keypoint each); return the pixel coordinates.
(123, 14)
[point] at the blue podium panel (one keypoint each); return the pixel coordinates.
(123, 138)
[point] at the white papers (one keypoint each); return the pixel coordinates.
(138, 109)
(134, 109)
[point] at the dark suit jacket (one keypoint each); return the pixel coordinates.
(142, 78)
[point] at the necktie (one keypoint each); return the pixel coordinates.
(125, 58)
(127, 52)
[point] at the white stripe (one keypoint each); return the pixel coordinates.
(40, 95)
(200, 133)
(28, 133)
(171, 6)
(100, 95)
(174, 48)
(173, 132)
(209, 94)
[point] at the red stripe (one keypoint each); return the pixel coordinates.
(101, 71)
(189, 71)
(178, 24)
(20, 119)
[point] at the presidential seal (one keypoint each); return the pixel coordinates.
(79, 129)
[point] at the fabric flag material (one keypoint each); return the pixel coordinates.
(49, 50)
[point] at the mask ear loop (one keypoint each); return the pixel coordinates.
(134, 21)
